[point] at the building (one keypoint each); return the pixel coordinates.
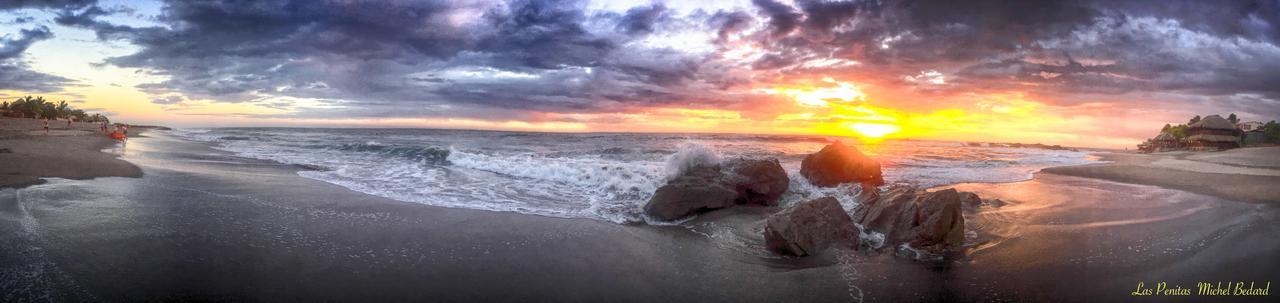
(1254, 137)
(1166, 142)
(1212, 133)
(1249, 126)
(1162, 143)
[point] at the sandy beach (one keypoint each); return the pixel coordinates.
(70, 152)
(1244, 174)
(198, 223)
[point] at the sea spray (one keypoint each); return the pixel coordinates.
(690, 155)
(607, 177)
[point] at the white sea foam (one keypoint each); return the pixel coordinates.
(690, 155)
(601, 176)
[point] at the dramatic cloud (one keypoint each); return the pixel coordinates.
(516, 59)
(15, 74)
(45, 4)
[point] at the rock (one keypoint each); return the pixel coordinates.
(838, 163)
(809, 227)
(710, 187)
(5, 151)
(699, 189)
(970, 200)
(758, 181)
(891, 213)
(929, 220)
(939, 220)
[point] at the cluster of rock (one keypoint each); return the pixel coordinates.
(926, 220)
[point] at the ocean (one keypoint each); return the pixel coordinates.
(603, 176)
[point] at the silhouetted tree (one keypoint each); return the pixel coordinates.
(1232, 118)
(1194, 119)
(37, 107)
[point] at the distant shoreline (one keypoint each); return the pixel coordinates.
(73, 152)
(1245, 174)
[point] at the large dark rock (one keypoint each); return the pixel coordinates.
(939, 220)
(838, 163)
(758, 181)
(699, 189)
(703, 188)
(929, 220)
(891, 213)
(809, 227)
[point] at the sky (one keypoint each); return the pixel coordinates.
(1079, 73)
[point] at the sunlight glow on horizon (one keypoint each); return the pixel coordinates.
(731, 89)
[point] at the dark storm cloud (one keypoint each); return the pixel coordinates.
(42, 4)
(1064, 47)
(408, 57)
(15, 74)
(440, 58)
(544, 35)
(87, 18)
(1250, 19)
(728, 23)
(641, 20)
(782, 18)
(13, 48)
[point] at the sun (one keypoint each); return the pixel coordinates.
(873, 130)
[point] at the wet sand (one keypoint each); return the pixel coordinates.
(1065, 238)
(1245, 174)
(71, 152)
(201, 224)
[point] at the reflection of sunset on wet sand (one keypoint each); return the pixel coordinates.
(639, 150)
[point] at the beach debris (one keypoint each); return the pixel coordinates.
(809, 227)
(715, 186)
(839, 163)
(926, 220)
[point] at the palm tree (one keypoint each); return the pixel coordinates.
(62, 109)
(19, 107)
(48, 110)
(33, 107)
(38, 107)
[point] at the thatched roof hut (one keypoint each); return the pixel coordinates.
(1213, 133)
(1162, 143)
(1213, 122)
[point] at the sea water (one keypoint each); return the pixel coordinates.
(604, 176)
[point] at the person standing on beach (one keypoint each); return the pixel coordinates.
(46, 125)
(68, 122)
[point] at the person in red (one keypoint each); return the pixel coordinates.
(46, 126)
